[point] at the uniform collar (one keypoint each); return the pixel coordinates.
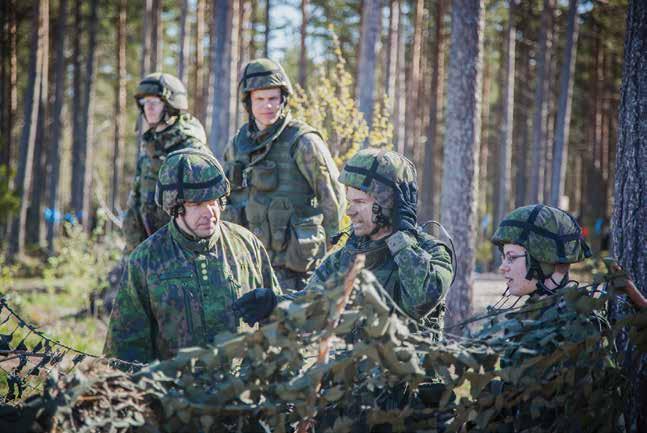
(197, 245)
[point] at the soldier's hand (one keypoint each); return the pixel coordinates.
(406, 199)
(255, 306)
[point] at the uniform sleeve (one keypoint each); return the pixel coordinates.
(129, 331)
(425, 271)
(329, 266)
(131, 225)
(269, 277)
(315, 164)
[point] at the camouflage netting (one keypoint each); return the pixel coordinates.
(523, 370)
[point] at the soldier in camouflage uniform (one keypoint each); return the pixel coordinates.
(414, 268)
(180, 282)
(284, 181)
(162, 100)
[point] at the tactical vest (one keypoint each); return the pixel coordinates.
(271, 197)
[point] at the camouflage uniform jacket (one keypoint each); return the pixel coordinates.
(416, 271)
(177, 292)
(143, 217)
(285, 190)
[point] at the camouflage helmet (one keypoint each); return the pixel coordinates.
(189, 175)
(550, 235)
(263, 74)
(376, 172)
(166, 86)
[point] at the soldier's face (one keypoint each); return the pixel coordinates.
(360, 211)
(153, 108)
(514, 270)
(266, 106)
(203, 217)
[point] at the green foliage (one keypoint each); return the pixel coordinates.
(84, 260)
(331, 107)
(9, 201)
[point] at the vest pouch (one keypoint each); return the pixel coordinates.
(279, 215)
(234, 172)
(307, 243)
(263, 176)
(257, 218)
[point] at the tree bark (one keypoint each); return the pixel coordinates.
(156, 35)
(34, 234)
(266, 45)
(391, 64)
(430, 197)
(221, 58)
(458, 199)
(367, 63)
(120, 105)
(183, 42)
(77, 180)
(145, 60)
(629, 218)
(54, 156)
(560, 156)
(303, 58)
(9, 83)
(502, 200)
(86, 149)
(412, 134)
(539, 120)
(401, 86)
(199, 89)
(28, 137)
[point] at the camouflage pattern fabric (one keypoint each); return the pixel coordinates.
(416, 275)
(143, 217)
(165, 86)
(178, 292)
(557, 361)
(263, 74)
(376, 172)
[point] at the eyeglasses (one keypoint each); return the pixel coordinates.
(509, 258)
(153, 102)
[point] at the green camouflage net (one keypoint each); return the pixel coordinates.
(547, 366)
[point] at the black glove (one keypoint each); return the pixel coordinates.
(255, 306)
(405, 203)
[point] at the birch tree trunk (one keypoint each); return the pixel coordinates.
(367, 63)
(28, 138)
(539, 120)
(560, 155)
(458, 199)
(54, 156)
(629, 218)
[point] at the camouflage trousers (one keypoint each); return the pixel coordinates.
(291, 281)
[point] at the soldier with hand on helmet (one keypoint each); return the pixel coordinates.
(162, 100)
(414, 268)
(284, 181)
(180, 283)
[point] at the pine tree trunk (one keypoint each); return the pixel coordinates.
(9, 83)
(521, 128)
(34, 234)
(182, 61)
(428, 208)
(367, 60)
(303, 58)
(459, 191)
(539, 120)
(199, 89)
(391, 64)
(120, 105)
(242, 58)
(562, 128)
(266, 45)
(629, 218)
(401, 85)
(412, 134)
(86, 148)
(221, 59)
(54, 156)
(156, 35)
(76, 187)
(28, 138)
(503, 187)
(145, 60)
